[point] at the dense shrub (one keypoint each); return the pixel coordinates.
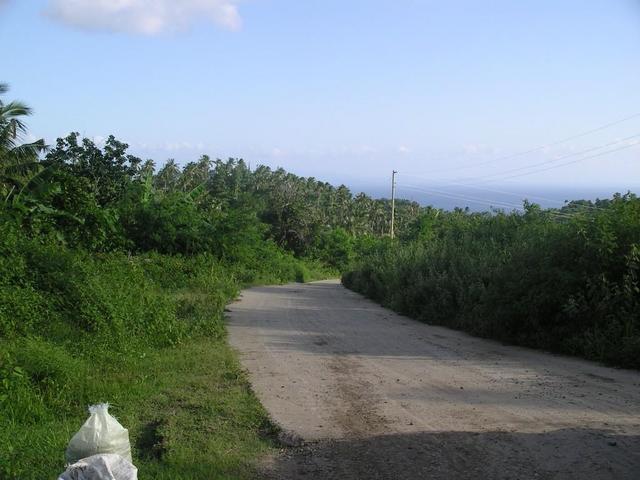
(335, 247)
(560, 281)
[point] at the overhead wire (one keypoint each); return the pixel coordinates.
(522, 195)
(552, 165)
(538, 164)
(477, 200)
(561, 157)
(475, 187)
(573, 161)
(457, 196)
(491, 203)
(541, 147)
(549, 165)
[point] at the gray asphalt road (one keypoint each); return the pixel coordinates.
(375, 395)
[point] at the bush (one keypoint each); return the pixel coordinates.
(76, 329)
(564, 283)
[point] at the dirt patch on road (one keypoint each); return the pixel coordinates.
(358, 416)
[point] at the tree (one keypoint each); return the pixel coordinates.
(168, 177)
(18, 159)
(109, 170)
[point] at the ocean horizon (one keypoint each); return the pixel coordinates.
(487, 198)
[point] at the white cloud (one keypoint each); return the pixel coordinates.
(146, 17)
(478, 148)
(357, 150)
(277, 152)
(180, 146)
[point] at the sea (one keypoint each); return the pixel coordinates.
(488, 198)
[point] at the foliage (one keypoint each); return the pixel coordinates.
(114, 277)
(113, 282)
(108, 171)
(144, 332)
(335, 247)
(18, 159)
(561, 280)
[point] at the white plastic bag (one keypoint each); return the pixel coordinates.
(101, 467)
(101, 433)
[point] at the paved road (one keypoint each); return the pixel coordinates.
(375, 395)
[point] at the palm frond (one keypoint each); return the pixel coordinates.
(18, 168)
(28, 151)
(14, 109)
(39, 185)
(197, 192)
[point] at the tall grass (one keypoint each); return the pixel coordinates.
(145, 333)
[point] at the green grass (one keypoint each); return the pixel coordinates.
(205, 417)
(145, 334)
(189, 410)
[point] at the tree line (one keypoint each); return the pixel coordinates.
(102, 198)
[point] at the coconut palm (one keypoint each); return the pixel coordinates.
(18, 159)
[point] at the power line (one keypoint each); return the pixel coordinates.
(561, 157)
(455, 196)
(573, 161)
(491, 178)
(551, 162)
(526, 196)
(503, 192)
(481, 201)
(546, 162)
(542, 147)
(470, 185)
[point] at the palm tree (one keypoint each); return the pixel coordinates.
(168, 177)
(18, 160)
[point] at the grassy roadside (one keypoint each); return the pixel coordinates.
(189, 410)
(202, 419)
(145, 334)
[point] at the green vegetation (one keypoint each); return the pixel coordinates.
(144, 333)
(565, 280)
(114, 277)
(113, 281)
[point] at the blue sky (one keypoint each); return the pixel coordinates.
(341, 90)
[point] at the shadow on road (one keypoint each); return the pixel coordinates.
(579, 454)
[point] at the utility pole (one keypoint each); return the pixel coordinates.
(393, 202)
